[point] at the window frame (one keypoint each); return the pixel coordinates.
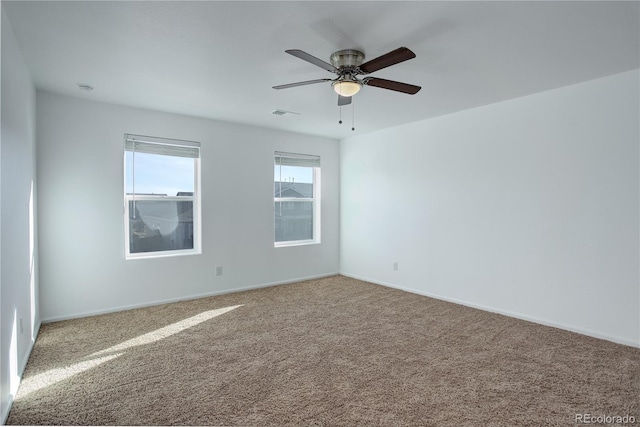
(195, 199)
(315, 209)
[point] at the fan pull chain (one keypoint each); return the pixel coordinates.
(340, 121)
(353, 115)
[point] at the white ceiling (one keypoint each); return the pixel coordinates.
(220, 59)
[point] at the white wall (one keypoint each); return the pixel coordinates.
(18, 243)
(80, 172)
(529, 207)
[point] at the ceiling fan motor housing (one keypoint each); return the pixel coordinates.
(348, 58)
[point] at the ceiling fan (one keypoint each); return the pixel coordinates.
(347, 64)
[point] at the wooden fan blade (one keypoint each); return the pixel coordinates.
(388, 59)
(312, 59)
(343, 100)
(308, 82)
(392, 85)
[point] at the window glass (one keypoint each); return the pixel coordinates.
(158, 174)
(293, 181)
(294, 221)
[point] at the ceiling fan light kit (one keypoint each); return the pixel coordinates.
(346, 88)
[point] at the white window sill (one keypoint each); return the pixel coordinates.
(296, 243)
(163, 254)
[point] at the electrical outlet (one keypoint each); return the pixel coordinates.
(395, 266)
(219, 270)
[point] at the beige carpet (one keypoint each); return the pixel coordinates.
(333, 351)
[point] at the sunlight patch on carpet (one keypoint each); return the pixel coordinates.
(167, 331)
(53, 376)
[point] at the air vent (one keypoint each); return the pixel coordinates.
(85, 87)
(283, 112)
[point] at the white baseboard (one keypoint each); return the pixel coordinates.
(587, 332)
(181, 298)
(32, 342)
(5, 410)
(4, 413)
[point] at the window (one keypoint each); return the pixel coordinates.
(162, 197)
(296, 199)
